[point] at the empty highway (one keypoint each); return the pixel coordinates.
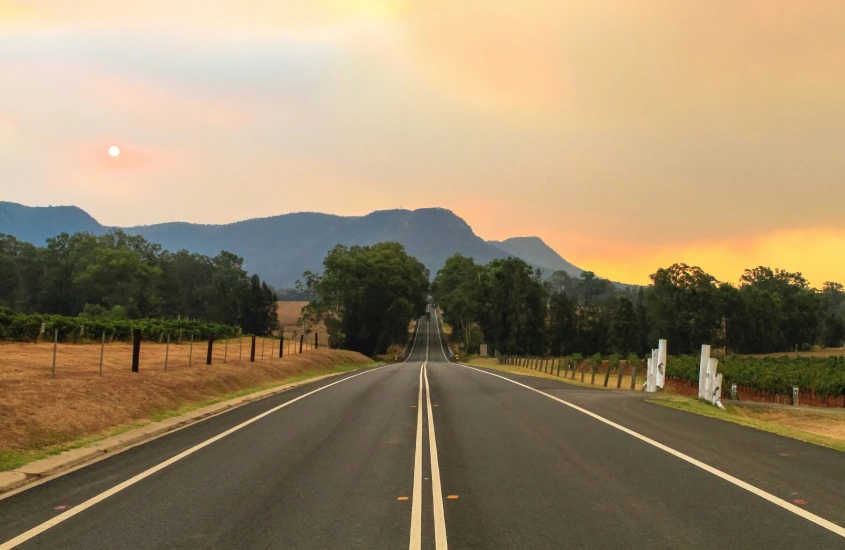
(431, 454)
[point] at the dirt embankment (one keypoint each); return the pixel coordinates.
(38, 412)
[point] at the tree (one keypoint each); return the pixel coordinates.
(683, 308)
(367, 295)
(833, 321)
(457, 289)
(259, 315)
(515, 308)
(562, 324)
(624, 328)
(126, 273)
(783, 310)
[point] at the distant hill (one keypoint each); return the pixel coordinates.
(534, 251)
(280, 248)
(36, 224)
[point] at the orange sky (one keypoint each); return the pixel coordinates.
(627, 134)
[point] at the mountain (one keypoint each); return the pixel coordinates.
(534, 251)
(36, 224)
(280, 248)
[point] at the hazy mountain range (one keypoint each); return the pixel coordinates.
(281, 248)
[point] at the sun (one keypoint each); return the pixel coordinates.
(114, 150)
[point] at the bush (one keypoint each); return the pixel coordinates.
(21, 328)
(823, 376)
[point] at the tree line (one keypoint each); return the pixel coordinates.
(517, 312)
(119, 276)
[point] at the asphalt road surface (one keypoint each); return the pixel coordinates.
(428, 453)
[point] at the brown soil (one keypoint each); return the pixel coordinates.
(37, 411)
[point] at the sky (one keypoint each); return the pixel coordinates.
(628, 134)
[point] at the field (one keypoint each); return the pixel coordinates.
(289, 314)
(39, 413)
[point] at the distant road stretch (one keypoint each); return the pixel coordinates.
(432, 454)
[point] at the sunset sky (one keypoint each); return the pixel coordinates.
(629, 135)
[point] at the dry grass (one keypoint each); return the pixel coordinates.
(289, 314)
(38, 413)
(815, 427)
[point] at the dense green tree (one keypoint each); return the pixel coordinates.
(783, 312)
(624, 327)
(85, 273)
(458, 291)
(367, 295)
(833, 320)
(562, 324)
(683, 308)
(515, 308)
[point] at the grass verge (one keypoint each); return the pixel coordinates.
(13, 459)
(807, 426)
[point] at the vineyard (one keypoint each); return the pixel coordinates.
(770, 378)
(22, 328)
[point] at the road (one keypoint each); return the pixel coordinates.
(428, 453)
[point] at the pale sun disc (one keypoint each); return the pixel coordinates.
(114, 150)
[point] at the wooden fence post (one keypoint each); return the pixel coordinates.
(633, 376)
(210, 347)
(607, 374)
(301, 341)
(619, 378)
(252, 351)
(136, 349)
(166, 353)
(55, 345)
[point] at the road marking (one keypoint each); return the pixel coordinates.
(402, 498)
(820, 521)
(452, 497)
(20, 539)
(416, 503)
(440, 542)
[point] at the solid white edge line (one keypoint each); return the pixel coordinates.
(416, 498)
(440, 541)
(820, 521)
(38, 529)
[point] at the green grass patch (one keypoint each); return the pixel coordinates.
(746, 417)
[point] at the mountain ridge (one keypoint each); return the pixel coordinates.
(280, 248)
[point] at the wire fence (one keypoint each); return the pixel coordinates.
(55, 358)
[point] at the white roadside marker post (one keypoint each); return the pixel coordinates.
(702, 369)
(660, 379)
